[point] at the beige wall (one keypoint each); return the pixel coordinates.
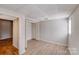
(22, 35)
(54, 31)
(33, 30)
(74, 37)
(36, 31)
(16, 33)
(21, 17)
(28, 31)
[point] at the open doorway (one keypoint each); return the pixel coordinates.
(6, 38)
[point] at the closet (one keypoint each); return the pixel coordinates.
(6, 27)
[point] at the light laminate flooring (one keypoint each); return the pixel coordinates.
(38, 47)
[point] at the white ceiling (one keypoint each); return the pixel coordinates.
(38, 12)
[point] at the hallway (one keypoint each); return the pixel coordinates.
(38, 47)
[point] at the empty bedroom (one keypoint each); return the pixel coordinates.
(39, 29)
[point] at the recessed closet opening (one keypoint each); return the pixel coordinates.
(6, 37)
(6, 29)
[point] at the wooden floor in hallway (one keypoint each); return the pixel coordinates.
(6, 47)
(37, 47)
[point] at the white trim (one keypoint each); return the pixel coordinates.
(5, 36)
(72, 51)
(54, 42)
(21, 52)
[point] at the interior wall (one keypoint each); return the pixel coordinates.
(54, 31)
(74, 37)
(36, 31)
(22, 33)
(19, 34)
(33, 30)
(21, 17)
(5, 29)
(16, 33)
(28, 31)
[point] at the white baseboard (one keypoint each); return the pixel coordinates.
(73, 51)
(21, 52)
(55, 42)
(70, 50)
(5, 36)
